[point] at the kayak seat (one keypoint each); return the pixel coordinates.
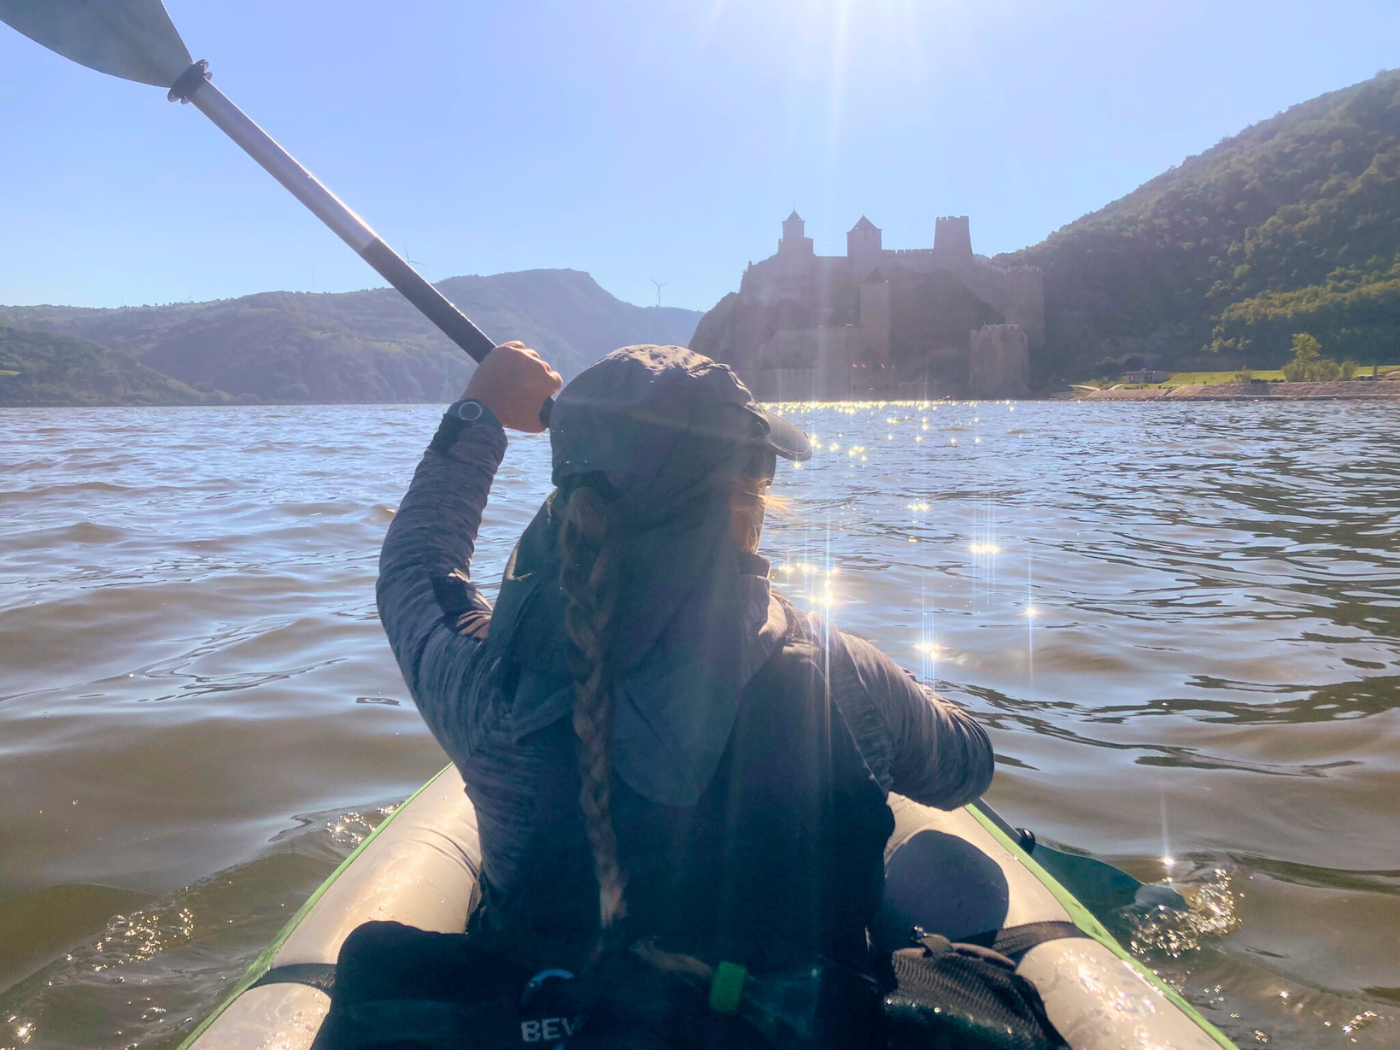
(943, 884)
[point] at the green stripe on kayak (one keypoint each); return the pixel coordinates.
(1086, 921)
(263, 962)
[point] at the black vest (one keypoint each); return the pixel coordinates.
(781, 860)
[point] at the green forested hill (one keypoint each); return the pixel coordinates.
(365, 346)
(1293, 225)
(40, 368)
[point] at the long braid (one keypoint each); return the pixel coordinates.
(588, 578)
(590, 548)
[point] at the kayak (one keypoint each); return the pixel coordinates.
(957, 874)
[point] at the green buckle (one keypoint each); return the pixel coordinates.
(727, 988)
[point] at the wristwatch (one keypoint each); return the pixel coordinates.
(469, 412)
(473, 413)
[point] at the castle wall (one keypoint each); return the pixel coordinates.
(1017, 292)
(787, 384)
(789, 275)
(840, 352)
(828, 363)
(875, 321)
(795, 286)
(829, 355)
(999, 364)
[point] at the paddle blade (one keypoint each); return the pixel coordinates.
(131, 39)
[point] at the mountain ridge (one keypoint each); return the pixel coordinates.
(362, 346)
(42, 369)
(1292, 224)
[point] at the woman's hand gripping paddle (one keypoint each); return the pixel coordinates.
(135, 40)
(513, 382)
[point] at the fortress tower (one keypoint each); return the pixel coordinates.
(863, 247)
(951, 237)
(794, 239)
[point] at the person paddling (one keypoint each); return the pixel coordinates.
(660, 749)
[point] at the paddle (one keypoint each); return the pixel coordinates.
(135, 40)
(1099, 886)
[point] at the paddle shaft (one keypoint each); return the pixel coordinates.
(343, 222)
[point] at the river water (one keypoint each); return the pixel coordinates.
(1179, 622)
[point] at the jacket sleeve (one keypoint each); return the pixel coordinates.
(434, 615)
(916, 742)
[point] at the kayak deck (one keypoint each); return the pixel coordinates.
(953, 873)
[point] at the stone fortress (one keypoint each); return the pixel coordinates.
(876, 322)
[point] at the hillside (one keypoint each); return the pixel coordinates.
(40, 369)
(365, 346)
(1293, 225)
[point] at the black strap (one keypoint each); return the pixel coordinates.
(1015, 941)
(317, 975)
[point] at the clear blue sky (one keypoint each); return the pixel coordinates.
(634, 139)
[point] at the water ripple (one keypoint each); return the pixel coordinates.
(1180, 624)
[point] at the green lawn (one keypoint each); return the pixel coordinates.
(1218, 378)
(1191, 379)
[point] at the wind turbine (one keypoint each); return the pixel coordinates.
(659, 285)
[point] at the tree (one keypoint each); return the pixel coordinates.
(1308, 364)
(1306, 349)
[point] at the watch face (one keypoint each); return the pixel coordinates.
(470, 411)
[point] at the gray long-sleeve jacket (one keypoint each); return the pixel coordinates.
(914, 742)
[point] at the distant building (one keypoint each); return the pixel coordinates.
(1146, 375)
(876, 321)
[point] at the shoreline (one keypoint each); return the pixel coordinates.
(1338, 390)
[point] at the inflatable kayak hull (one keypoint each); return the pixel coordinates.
(954, 873)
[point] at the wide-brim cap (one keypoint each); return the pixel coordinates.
(623, 414)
